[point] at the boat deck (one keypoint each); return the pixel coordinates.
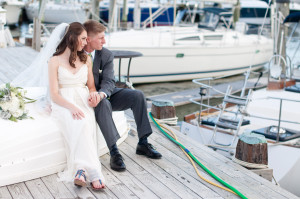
(170, 177)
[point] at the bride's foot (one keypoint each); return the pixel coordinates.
(97, 185)
(80, 178)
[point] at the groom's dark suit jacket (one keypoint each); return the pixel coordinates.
(118, 99)
(103, 70)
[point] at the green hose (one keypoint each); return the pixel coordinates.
(197, 161)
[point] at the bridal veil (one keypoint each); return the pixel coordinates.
(36, 75)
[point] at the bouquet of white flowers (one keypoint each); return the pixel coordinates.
(12, 103)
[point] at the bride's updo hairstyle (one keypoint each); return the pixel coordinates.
(70, 40)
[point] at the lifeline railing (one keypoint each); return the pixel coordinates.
(207, 88)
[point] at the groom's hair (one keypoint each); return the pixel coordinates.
(93, 27)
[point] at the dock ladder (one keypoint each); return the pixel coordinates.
(231, 120)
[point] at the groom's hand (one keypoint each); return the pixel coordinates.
(94, 99)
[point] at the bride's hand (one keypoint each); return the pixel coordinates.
(77, 114)
(94, 99)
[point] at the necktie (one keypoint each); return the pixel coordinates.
(90, 54)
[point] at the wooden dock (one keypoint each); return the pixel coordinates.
(170, 177)
(14, 60)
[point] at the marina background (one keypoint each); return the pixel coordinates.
(152, 90)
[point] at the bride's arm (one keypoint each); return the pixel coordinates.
(95, 97)
(53, 86)
(90, 82)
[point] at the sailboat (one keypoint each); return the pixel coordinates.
(177, 53)
(13, 8)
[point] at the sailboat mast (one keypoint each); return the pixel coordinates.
(282, 11)
(137, 15)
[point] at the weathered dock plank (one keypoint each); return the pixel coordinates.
(175, 171)
(105, 194)
(79, 192)
(132, 183)
(116, 186)
(183, 161)
(145, 178)
(4, 193)
(159, 173)
(38, 189)
(19, 191)
(56, 188)
(186, 166)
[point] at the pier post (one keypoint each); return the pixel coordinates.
(164, 110)
(95, 9)
(36, 40)
(252, 151)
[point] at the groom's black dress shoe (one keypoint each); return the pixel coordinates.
(116, 162)
(148, 150)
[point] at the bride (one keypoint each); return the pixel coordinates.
(71, 85)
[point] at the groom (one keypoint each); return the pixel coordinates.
(115, 99)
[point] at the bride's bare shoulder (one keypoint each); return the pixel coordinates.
(53, 61)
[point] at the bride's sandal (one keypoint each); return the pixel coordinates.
(77, 181)
(97, 189)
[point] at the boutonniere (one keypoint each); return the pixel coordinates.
(100, 71)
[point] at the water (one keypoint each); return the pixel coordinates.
(168, 87)
(19, 32)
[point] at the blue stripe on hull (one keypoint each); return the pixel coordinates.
(191, 73)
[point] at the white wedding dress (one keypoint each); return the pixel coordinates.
(80, 136)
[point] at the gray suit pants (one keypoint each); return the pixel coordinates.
(121, 100)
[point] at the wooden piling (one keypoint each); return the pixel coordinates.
(162, 109)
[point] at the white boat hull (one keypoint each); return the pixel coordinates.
(34, 148)
(161, 64)
(188, 52)
(13, 11)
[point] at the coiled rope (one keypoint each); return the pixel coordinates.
(249, 165)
